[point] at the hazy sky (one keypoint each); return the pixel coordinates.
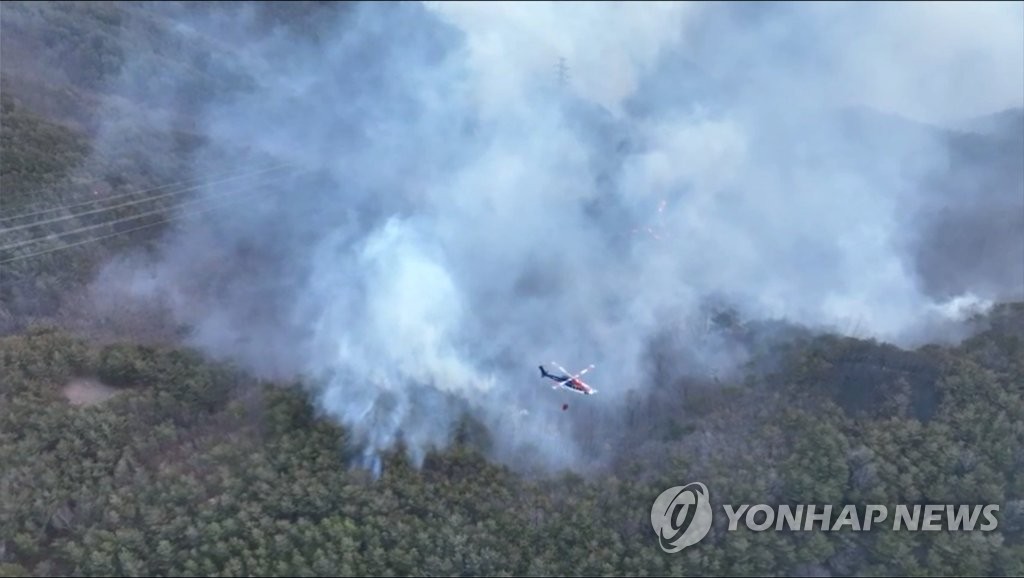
(930, 61)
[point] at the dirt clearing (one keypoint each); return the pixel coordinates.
(84, 391)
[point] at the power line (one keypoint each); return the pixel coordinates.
(125, 232)
(127, 194)
(55, 188)
(127, 204)
(123, 219)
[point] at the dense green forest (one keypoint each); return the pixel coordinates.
(191, 468)
(122, 458)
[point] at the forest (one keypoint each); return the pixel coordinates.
(125, 452)
(186, 467)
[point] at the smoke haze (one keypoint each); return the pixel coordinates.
(455, 215)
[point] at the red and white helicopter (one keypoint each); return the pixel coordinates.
(572, 383)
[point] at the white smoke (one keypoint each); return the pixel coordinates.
(469, 219)
(512, 45)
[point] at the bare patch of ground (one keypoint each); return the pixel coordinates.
(86, 392)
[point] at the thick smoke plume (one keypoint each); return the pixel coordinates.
(459, 211)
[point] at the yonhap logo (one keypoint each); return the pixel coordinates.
(681, 516)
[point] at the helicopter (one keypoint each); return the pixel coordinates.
(572, 383)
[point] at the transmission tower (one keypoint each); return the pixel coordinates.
(563, 72)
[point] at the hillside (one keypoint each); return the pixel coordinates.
(75, 133)
(124, 451)
(194, 468)
(90, 164)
